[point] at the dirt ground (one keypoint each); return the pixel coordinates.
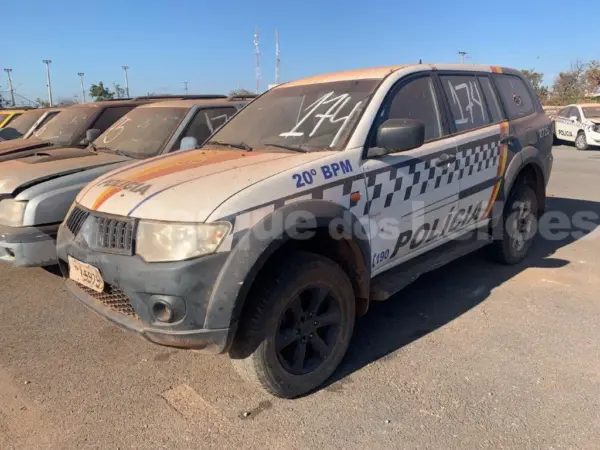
(474, 355)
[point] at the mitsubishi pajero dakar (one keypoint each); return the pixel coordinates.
(322, 195)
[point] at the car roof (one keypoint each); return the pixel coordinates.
(383, 71)
(190, 103)
(103, 104)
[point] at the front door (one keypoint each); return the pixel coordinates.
(411, 193)
(564, 125)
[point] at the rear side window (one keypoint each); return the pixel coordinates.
(491, 99)
(564, 112)
(575, 112)
(515, 95)
(205, 123)
(110, 116)
(467, 105)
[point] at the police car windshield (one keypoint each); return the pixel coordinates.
(143, 132)
(66, 126)
(312, 117)
(591, 111)
(25, 121)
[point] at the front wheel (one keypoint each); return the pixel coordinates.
(519, 226)
(581, 141)
(297, 327)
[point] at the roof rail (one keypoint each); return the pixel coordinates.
(242, 96)
(181, 97)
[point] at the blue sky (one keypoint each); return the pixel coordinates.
(210, 43)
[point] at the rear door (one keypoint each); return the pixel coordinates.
(411, 193)
(478, 124)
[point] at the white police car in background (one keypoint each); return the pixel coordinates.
(579, 124)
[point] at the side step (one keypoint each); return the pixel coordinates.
(385, 285)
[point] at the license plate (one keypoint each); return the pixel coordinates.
(85, 274)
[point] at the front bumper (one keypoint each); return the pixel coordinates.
(28, 246)
(134, 287)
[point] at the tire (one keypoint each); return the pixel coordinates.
(282, 313)
(581, 141)
(517, 235)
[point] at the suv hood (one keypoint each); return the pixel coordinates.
(43, 164)
(186, 186)
(17, 148)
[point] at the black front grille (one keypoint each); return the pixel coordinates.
(114, 235)
(113, 297)
(76, 219)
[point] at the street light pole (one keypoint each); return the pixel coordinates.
(126, 80)
(462, 57)
(185, 87)
(82, 88)
(10, 86)
(48, 82)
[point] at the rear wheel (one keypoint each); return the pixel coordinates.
(581, 141)
(519, 226)
(297, 327)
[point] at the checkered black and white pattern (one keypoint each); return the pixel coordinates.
(386, 186)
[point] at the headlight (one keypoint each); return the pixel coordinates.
(164, 241)
(596, 128)
(11, 212)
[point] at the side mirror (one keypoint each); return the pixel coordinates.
(91, 135)
(188, 143)
(573, 118)
(398, 135)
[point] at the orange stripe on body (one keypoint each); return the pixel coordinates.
(501, 168)
(176, 163)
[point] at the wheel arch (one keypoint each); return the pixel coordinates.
(252, 255)
(530, 171)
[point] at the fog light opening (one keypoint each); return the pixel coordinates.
(163, 312)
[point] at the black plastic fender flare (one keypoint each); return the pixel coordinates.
(252, 252)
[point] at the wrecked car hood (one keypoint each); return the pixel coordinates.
(51, 163)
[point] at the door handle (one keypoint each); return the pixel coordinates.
(444, 159)
(507, 139)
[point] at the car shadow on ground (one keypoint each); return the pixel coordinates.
(424, 307)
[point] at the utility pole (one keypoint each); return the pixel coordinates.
(185, 83)
(82, 88)
(126, 80)
(257, 54)
(48, 82)
(277, 60)
(10, 86)
(462, 57)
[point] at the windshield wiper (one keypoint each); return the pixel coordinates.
(287, 147)
(113, 150)
(241, 145)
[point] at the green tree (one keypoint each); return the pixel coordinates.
(42, 103)
(241, 93)
(119, 91)
(570, 86)
(592, 76)
(99, 92)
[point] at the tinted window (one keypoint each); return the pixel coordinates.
(466, 102)
(64, 128)
(205, 123)
(417, 100)
(143, 132)
(591, 111)
(110, 116)
(575, 112)
(314, 116)
(515, 96)
(564, 112)
(491, 99)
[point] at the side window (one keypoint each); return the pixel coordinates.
(205, 123)
(564, 112)
(110, 116)
(575, 112)
(515, 95)
(491, 99)
(47, 119)
(466, 102)
(417, 100)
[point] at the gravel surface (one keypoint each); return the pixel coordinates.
(474, 355)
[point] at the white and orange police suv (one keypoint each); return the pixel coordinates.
(321, 195)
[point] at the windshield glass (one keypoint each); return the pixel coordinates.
(591, 111)
(143, 132)
(3, 118)
(312, 117)
(63, 128)
(25, 121)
